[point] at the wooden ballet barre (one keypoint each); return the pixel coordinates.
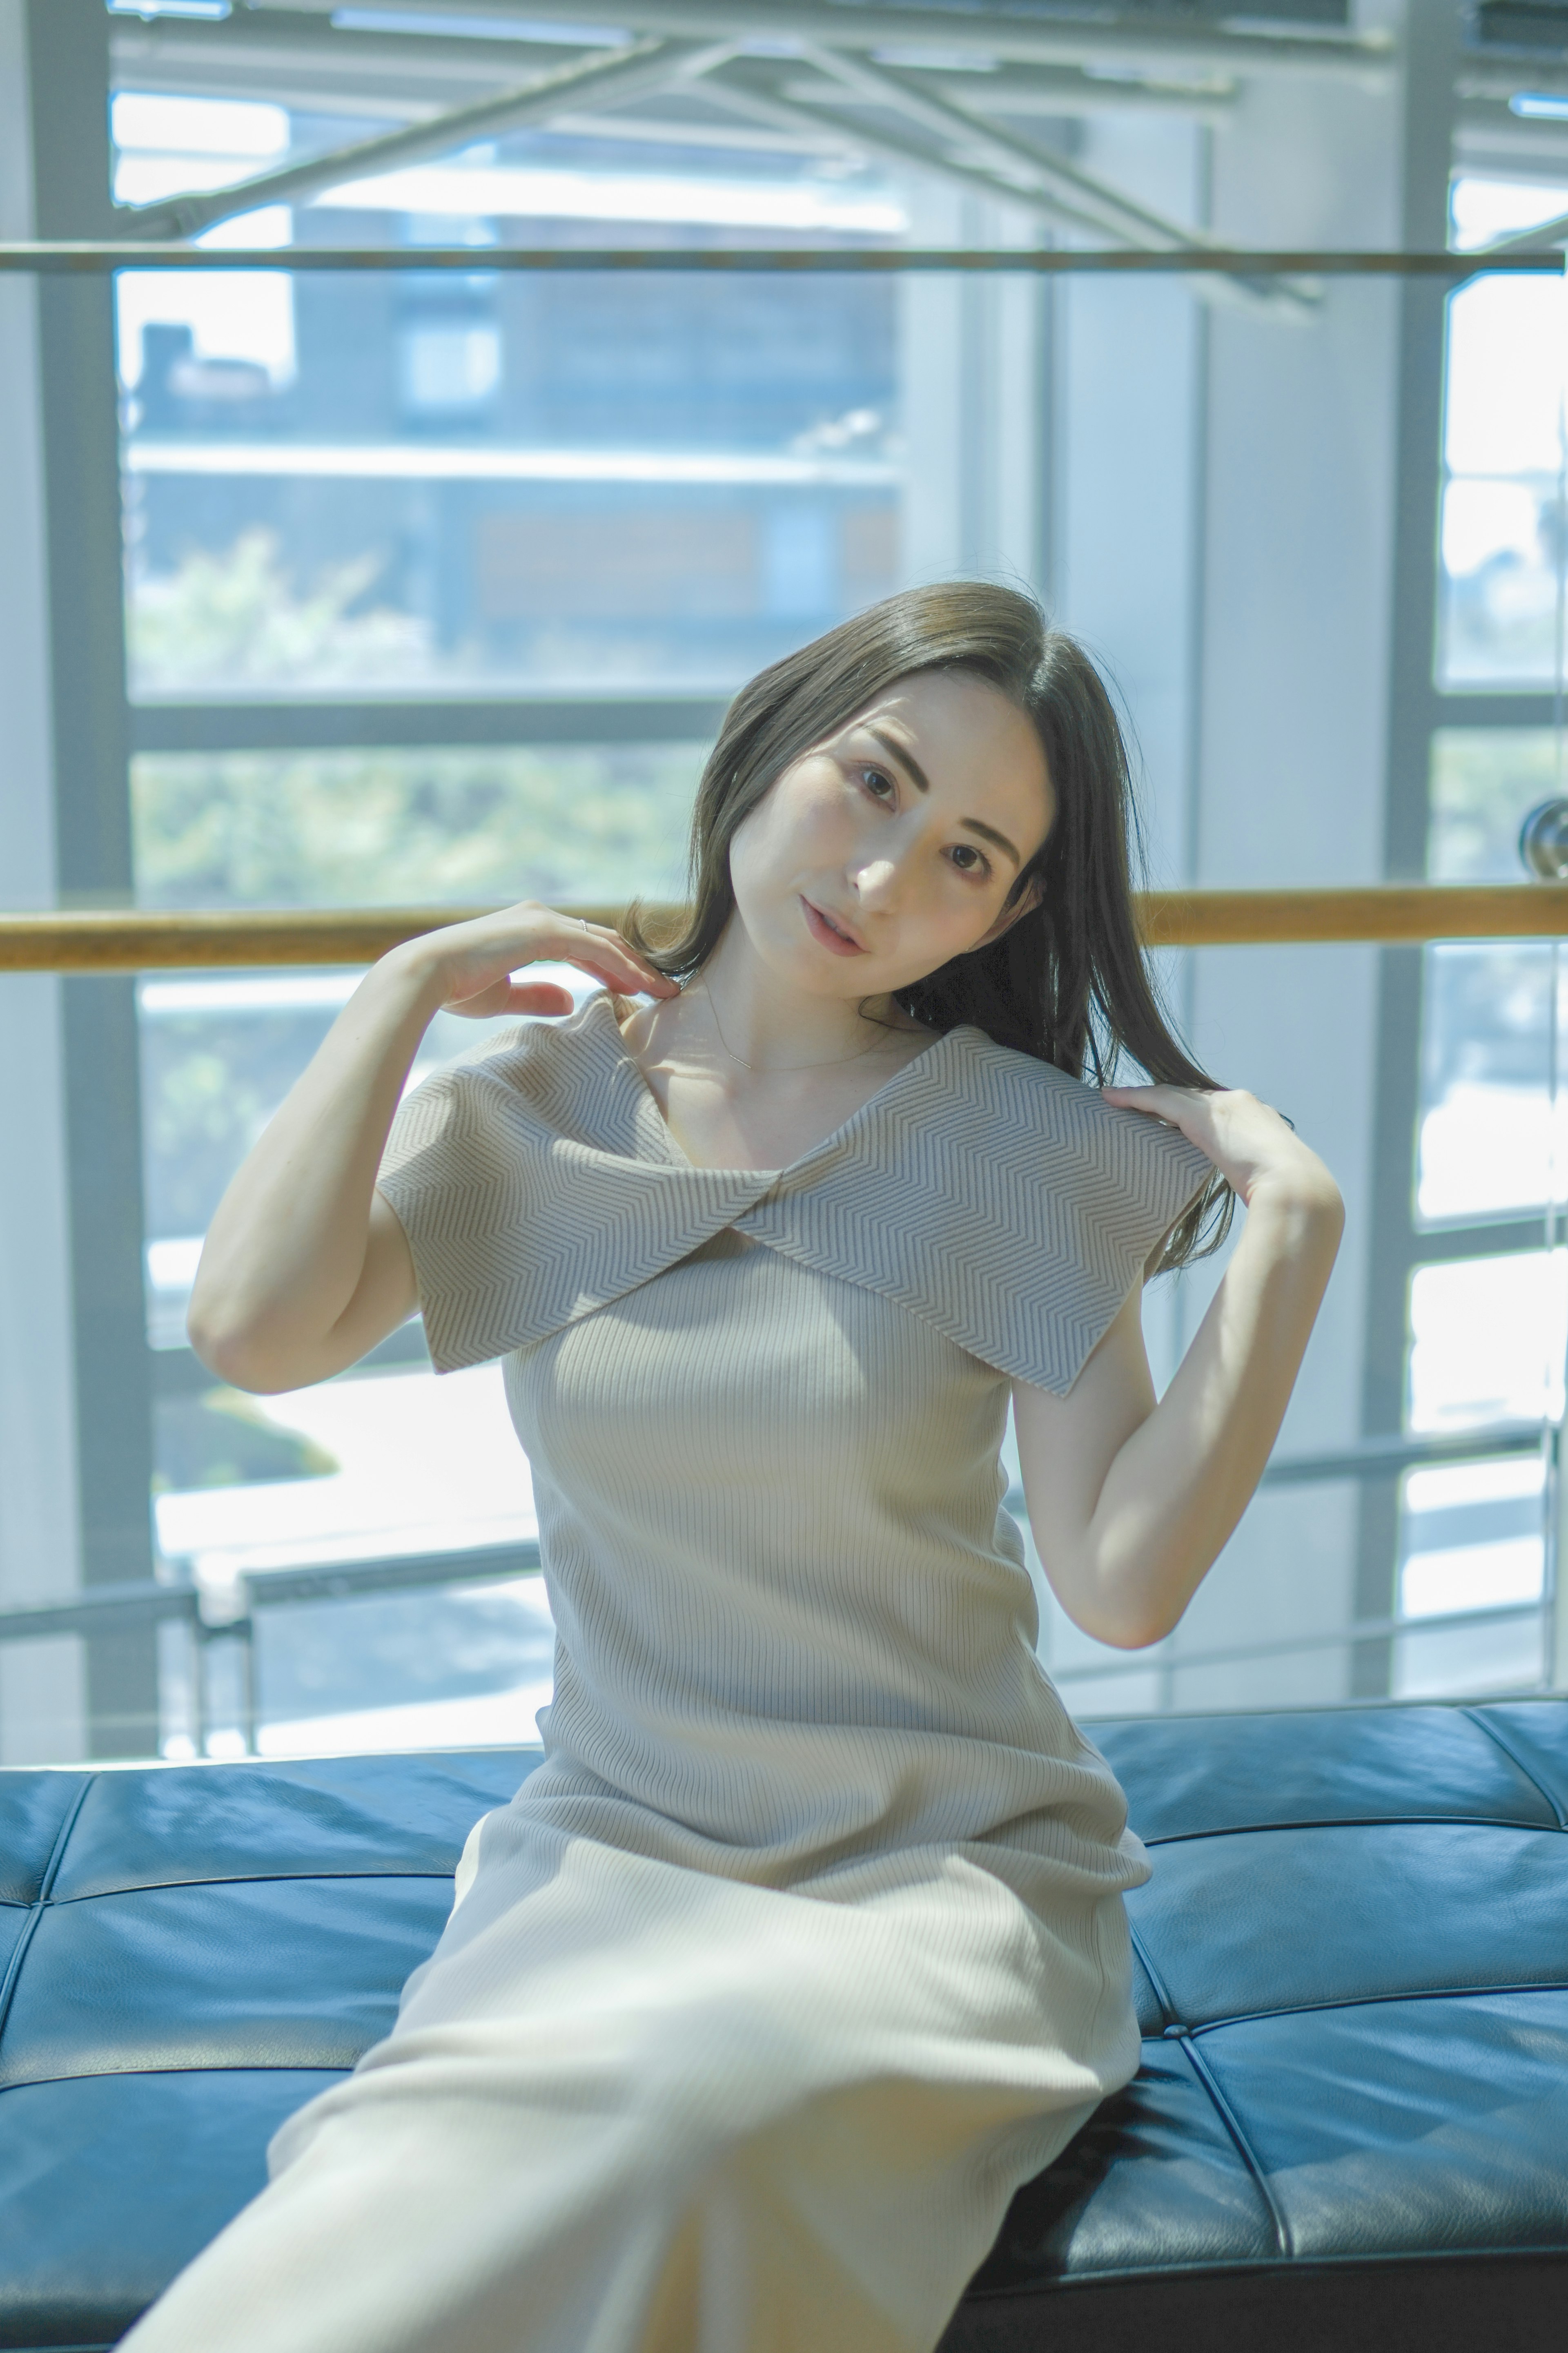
(108, 940)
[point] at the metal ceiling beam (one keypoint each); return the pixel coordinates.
(294, 42)
(1002, 169)
(299, 60)
(611, 75)
(1011, 162)
(1543, 238)
(1067, 89)
(993, 34)
(400, 78)
(754, 92)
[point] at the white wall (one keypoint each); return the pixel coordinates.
(1127, 471)
(1293, 729)
(1227, 535)
(41, 1694)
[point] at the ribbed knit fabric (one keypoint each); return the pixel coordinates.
(805, 1945)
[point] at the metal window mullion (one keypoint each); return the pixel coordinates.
(69, 100)
(1431, 60)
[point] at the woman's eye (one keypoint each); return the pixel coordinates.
(878, 785)
(970, 860)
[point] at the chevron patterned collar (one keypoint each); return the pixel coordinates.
(646, 1136)
(979, 1188)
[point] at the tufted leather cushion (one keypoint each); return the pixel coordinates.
(1351, 2127)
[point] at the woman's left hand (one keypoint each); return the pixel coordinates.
(1247, 1141)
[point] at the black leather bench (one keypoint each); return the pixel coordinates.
(1350, 2128)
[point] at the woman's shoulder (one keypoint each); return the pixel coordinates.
(996, 1197)
(534, 1078)
(980, 1072)
(996, 1108)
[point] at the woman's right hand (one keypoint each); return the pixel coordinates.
(469, 966)
(305, 1267)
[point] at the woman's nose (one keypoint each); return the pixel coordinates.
(876, 880)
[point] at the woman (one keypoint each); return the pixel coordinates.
(805, 1945)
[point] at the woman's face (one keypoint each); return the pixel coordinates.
(891, 847)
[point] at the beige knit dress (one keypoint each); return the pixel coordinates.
(805, 1945)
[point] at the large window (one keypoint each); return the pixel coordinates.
(474, 481)
(1503, 518)
(378, 488)
(1487, 1293)
(428, 585)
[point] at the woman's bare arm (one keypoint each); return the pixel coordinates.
(305, 1267)
(1131, 1501)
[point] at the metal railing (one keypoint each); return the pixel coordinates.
(228, 1617)
(213, 1620)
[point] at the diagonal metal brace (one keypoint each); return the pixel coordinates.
(741, 83)
(607, 76)
(1023, 172)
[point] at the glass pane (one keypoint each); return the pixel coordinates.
(1485, 1138)
(1487, 1340)
(465, 1664)
(1502, 522)
(1505, 374)
(385, 1461)
(452, 1667)
(1484, 1147)
(477, 480)
(1498, 586)
(1471, 1538)
(220, 1051)
(1497, 1655)
(1484, 781)
(411, 827)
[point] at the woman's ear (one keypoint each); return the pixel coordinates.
(1029, 899)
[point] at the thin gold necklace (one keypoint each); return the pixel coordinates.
(780, 1070)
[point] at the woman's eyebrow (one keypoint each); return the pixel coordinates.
(978, 825)
(916, 776)
(906, 760)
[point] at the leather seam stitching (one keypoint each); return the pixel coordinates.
(62, 1840)
(142, 2074)
(249, 1879)
(1363, 1822)
(1244, 2147)
(1158, 1987)
(1422, 2258)
(1473, 1716)
(40, 1903)
(14, 1973)
(1374, 2000)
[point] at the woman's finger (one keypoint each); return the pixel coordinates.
(1162, 1102)
(625, 959)
(624, 974)
(545, 996)
(482, 1004)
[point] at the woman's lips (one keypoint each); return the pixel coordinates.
(818, 925)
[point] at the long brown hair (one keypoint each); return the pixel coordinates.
(1067, 982)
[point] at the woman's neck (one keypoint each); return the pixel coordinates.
(761, 1024)
(750, 1075)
